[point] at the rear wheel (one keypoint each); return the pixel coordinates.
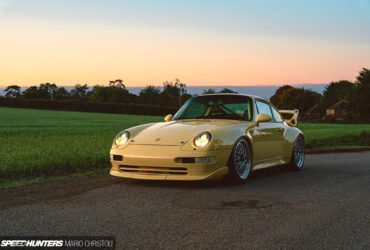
(240, 163)
(298, 155)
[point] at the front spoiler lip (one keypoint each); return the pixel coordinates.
(191, 176)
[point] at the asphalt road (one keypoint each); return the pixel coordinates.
(325, 206)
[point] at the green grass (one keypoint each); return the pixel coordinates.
(339, 136)
(43, 142)
(37, 143)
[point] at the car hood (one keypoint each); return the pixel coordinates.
(177, 132)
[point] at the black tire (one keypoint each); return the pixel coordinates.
(240, 164)
(298, 155)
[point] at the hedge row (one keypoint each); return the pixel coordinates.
(76, 105)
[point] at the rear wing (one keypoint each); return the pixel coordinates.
(293, 120)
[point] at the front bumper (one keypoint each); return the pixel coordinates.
(152, 162)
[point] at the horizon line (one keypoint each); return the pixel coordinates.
(209, 86)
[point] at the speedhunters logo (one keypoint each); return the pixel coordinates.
(72, 242)
(31, 243)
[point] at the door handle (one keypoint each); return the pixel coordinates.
(279, 129)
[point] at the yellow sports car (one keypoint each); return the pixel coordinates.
(210, 137)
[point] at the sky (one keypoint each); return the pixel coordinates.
(201, 42)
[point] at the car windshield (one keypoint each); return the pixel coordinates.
(232, 107)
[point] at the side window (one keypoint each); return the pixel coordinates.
(263, 108)
(276, 114)
(242, 109)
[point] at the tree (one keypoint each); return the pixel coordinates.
(182, 90)
(182, 86)
(227, 90)
(362, 101)
(61, 93)
(34, 92)
(213, 91)
(172, 92)
(117, 83)
(48, 89)
(13, 91)
(287, 97)
(79, 91)
(277, 98)
(98, 94)
(44, 91)
(113, 94)
(209, 91)
(337, 91)
(150, 95)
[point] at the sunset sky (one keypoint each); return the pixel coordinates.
(202, 42)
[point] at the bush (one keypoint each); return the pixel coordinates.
(76, 105)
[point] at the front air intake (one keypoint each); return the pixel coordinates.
(153, 170)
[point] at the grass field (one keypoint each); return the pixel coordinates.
(335, 135)
(42, 142)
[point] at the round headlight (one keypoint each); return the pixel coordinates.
(122, 138)
(202, 139)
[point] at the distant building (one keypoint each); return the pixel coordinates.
(339, 111)
(313, 112)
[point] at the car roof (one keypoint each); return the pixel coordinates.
(237, 94)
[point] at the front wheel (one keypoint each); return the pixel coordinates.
(298, 155)
(240, 163)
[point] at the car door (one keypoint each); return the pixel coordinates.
(280, 129)
(267, 136)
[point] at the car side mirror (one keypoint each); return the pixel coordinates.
(168, 118)
(262, 118)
